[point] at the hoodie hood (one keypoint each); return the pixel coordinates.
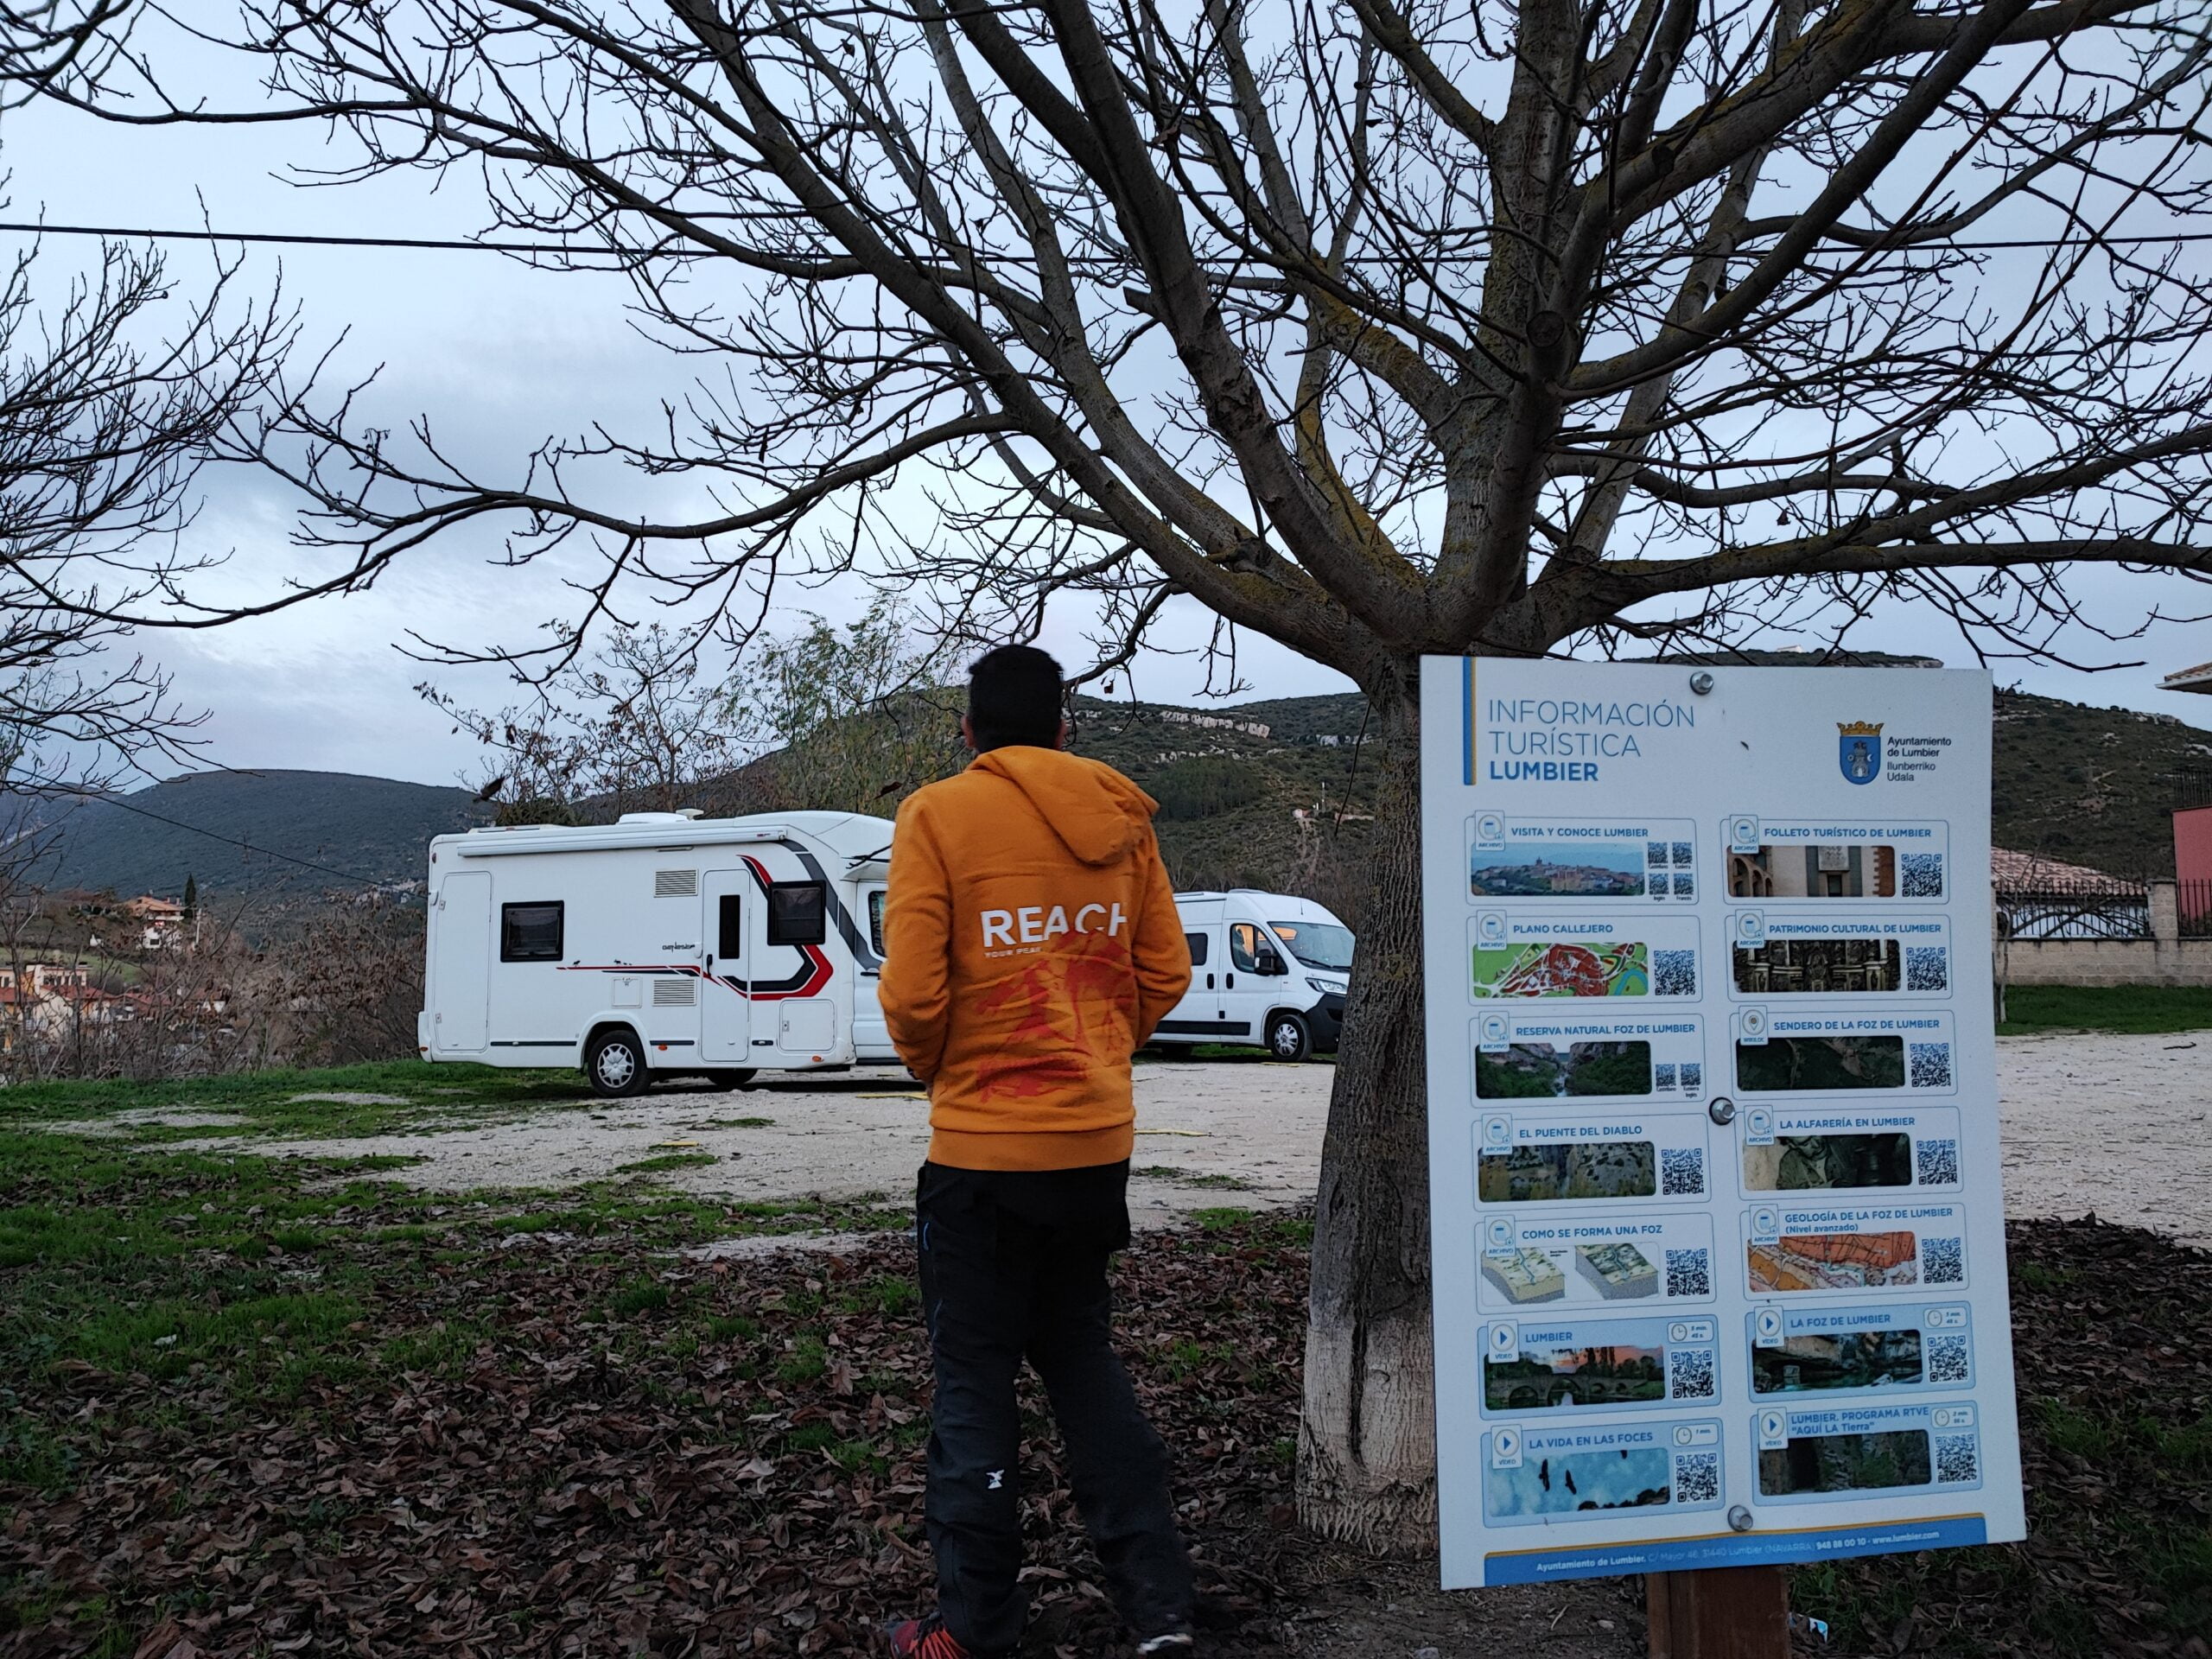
(1097, 814)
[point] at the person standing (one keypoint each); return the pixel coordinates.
(1031, 945)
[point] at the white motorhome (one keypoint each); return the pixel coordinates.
(1266, 968)
(666, 942)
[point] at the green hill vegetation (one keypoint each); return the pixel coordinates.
(2094, 786)
(314, 830)
(1271, 794)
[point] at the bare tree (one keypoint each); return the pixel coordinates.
(817, 718)
(1381, 326)
(114, 393)
(845, 720)
(638, 726)
(345, 990)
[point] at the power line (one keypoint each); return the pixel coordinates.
(432, 244)
(302, 240)
(232, 841)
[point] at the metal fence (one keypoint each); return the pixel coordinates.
(2057, 905)
(2193, 901)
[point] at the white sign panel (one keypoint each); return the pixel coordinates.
(1719, 1246)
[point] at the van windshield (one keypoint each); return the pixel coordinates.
(1318, 944)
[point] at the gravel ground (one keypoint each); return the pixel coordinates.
(1210, 1132)
(2072, 1103)
(1215, 1133)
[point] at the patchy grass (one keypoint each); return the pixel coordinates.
(1214, 1220)
(665, 1161)
(305, 1409)
(1209, 1179)
(401, 1095)
(175, 1264)
(2136, 1008)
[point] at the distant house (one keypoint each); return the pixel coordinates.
(161, 921)
(47, 996)
(2040, 897)
(1221, 722)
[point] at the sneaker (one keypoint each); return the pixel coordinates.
(923, 1639)
(1174, 1642)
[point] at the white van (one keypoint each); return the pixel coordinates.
(1265, 968)
(663, 944)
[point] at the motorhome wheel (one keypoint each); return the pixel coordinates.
(616, 1064)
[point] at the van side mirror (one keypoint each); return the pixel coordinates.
(1270, 962)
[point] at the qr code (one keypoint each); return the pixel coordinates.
(1682, 1171)
(1693, 1076)
(1956, 1458)
(1690, 1273)
(1683, 855)
(1685, 885)
(1939, 1162)
(1673, 973)
(1662, 1077)
(1946, 1359)
(1654, 855)
(1689, 1374)
(1943, 1261)
(1931, 1065)
(1920, 875)
(1697, 1478)
(1927, 967)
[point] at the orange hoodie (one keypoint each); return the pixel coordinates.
(1031, 944)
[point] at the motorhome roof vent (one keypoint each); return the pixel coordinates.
(676, 884)
(684, 816)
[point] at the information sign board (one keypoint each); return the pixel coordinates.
(1718, 1238)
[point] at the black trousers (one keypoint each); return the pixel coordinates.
(1013, 1267)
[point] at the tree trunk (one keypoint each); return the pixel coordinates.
(1367, 1443)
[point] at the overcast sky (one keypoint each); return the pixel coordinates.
(500, 356)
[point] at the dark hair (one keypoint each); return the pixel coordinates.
(1013, 696)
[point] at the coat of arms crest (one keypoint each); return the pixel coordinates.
(1859, 750)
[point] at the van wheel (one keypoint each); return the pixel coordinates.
(615, 1063)
(736, 1079)
(1288, 1038)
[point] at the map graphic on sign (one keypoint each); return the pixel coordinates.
(1717, 1236)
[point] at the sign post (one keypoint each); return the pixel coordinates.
(1718, 1238)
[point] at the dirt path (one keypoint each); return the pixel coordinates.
(1208, 1134)
(2111, 1124)
(1220, 1133)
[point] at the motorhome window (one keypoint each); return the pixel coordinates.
(729, 926)
(797, 912)
(875, 920)
(1244, 947)
(1318, 944)
(530, 932)
(1197, 943)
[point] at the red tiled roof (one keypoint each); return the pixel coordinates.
(2016, 870)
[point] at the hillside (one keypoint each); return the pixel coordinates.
(1230, 796)
(1259, 794)
(2094, 786)
(371, 829)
